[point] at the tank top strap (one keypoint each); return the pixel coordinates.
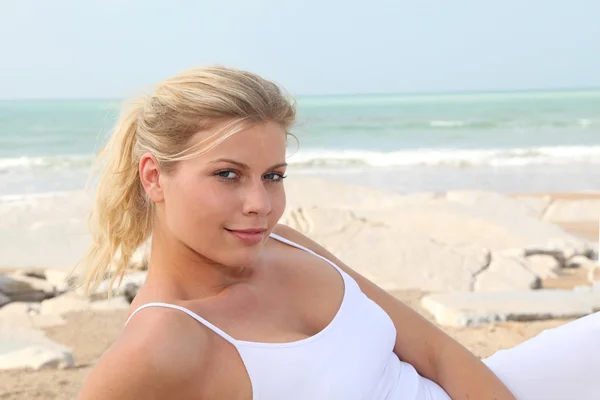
(192, 314)
(299, 246)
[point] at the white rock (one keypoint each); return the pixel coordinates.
(30, 272)
(301, 193)
(564, 210)
(569, 249)
(434, 245)
(450, 224)
(506, 274)
(516, 252)
(62, 280)
(24, 288)
(580, 262)
(25, 348)
(479, 308)
(28, 315)
(19, 308)
(136, 278)
(335, 227)
(33, 321)
(69, 302)
(544, 266)
(398, 258)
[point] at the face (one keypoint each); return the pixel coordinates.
(224, 203)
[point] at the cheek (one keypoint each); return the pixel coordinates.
(208, 202)
(278, 204)
(190, 203)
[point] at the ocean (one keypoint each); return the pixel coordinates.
(507, 142)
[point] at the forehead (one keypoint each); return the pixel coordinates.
(265, 141)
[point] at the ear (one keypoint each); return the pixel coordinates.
(150, 177)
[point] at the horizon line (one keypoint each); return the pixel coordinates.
(355, 94)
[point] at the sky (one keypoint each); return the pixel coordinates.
(113, 49)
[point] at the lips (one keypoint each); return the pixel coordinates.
(248, 236)
(250, 230)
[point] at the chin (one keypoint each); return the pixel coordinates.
(243, 257)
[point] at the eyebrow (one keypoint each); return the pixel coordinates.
(242, 165)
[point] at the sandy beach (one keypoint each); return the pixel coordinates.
(459, 222)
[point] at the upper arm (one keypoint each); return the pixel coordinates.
(147, 364)
(125, 374)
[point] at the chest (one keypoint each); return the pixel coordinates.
(290, 298)
(352, 358)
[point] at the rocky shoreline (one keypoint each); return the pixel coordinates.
(479, 264)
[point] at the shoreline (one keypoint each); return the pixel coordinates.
(350, 210)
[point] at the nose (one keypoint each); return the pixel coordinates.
(256, 199)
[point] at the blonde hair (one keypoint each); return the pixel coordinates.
(163, 123)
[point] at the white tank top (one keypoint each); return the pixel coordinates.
(351, 359)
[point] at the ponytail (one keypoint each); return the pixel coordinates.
(121, 218)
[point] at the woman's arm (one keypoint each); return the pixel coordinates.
(155, 358)
(433, 353)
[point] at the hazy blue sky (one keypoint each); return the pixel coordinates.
(111, 48)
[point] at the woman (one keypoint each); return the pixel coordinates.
(235, 305)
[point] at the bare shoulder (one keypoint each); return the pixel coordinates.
(369, 288)
(158, 355)
(292, 234)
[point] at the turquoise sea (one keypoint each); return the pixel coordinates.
(510, 142)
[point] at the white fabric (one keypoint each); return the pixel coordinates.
(559, 364)
(353, 358)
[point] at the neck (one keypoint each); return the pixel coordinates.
(178, 271)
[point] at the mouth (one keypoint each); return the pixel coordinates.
(248, 236)
(250, 230)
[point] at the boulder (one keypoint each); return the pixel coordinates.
(136, 279)
(580, 261)
(470, 309)
(397, 258)
(436, 245)
(28, 315)
(345, 196)
(25, 288)
(544, 266)
(20, 308)
(71, 302)
(26, 348)
(573, 210)
(62, 280)
(451, 224)
(506, 274)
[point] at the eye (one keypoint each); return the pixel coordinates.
(274, 177)
(227, 174)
